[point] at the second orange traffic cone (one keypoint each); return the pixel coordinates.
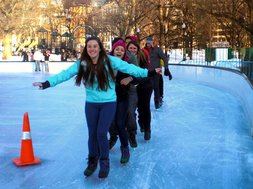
(26, 154)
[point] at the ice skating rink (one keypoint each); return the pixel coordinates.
(200, 139)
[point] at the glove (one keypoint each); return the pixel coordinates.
(45, 84)
(151, 73)
(167, 73)
(170, 76)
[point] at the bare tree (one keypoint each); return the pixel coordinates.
(124, 17)
(17, 17)
(234, 16)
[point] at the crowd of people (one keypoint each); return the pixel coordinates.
(118, 87)
(41, 57)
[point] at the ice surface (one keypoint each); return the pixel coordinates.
(200, 139)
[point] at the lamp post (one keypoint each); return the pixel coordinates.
(43, 40)
(54, 45)
(184, 36)
(65, 43)
(68, 24)
(138, 34)
(62, 30)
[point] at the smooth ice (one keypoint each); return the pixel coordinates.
(200, 139)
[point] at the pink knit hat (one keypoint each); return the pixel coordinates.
(132, 38)
(122, 44)
(119, 43)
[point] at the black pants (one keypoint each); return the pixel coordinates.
(156, 82)
(161, 86)
(119, 124)
(133, 100)
(144, 91)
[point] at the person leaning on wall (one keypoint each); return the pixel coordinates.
(46, 57)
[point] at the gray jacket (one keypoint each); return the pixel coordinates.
(155, 55)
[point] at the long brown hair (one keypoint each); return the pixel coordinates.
(101, 70)
(141, 58)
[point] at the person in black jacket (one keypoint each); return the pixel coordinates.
(122, 87)
(131, 58)
(144, 92)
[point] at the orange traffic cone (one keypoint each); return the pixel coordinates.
(26, 154)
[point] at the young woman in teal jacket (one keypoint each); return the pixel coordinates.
(95, 70)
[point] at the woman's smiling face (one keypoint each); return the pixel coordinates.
(119, 52)
(133, 49)
(93, 49)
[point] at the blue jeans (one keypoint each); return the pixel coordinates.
(99, 117)
(37, 65)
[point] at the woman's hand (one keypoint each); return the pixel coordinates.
(158, 70)
(42, 85)
(126, 81)
(38, 84)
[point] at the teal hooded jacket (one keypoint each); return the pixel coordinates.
(94, 94)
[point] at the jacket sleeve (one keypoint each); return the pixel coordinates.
(138, 80)
(125, 67)
(64, 75)
(163, 57)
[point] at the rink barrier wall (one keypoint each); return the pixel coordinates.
(231, 81)
(28, 67)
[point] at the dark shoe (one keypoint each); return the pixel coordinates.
(157, 105)
(104, 168)
(147, 135)
(125, 155)
(132, 140)
(141, 126)
(161, 98)
(92, 166)
(161, 101)
(112, 141)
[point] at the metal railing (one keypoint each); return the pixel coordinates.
(240, 60)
